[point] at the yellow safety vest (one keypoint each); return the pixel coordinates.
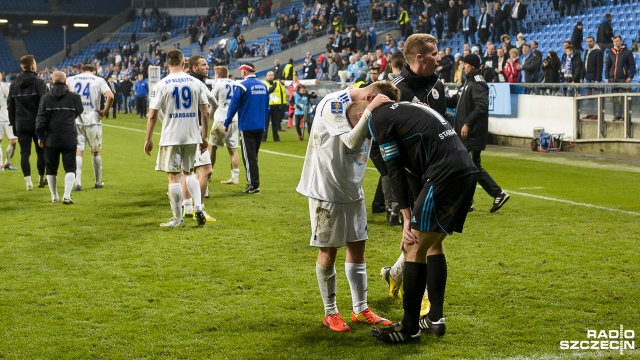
(404, 18)
(278, 96)
(287, 72)
(359, 84)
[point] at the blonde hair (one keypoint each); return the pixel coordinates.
(417, 44)
(514, 51)
(221, 71)
(384, 88)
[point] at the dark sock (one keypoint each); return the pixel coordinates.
(415, 279)
(436, 283)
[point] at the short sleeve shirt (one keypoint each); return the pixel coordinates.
(178, 96)
(331, 171)
(90, 88)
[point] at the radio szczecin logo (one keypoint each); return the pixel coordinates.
(623, 339)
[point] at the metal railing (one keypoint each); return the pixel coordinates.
(603, 111)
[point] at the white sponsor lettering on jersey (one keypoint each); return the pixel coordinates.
(90, 88)
(178, 96)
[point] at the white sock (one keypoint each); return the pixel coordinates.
(97, 168)
(52, 186)
(69, 178)
(10, 150)
(175, 198)
(27, 179)
(357, 276)
(193, 185)
(188, 205)
(327, 282)
(235, 174)
(1, 158)
(79, 170)
(397, 270)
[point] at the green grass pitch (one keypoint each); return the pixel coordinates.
(100, 279)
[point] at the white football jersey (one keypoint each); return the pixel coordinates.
(222, 93)
(178, 96)
(4, 93)
(331, 171)
(90, 88)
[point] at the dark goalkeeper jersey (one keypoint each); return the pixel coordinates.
(415, 138)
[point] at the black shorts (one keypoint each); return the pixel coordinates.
(443, 207)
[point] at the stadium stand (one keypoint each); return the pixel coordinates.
(6, 59)
(44, 42)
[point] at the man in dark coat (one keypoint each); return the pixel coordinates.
(471, 123)
(468, 25)
(57, 134)
(592, 62)
(277, 69)
(490, 64)
(126, 86)
(484, 25)
(497, 25)
(577, 37)
(620, 67)
(22, 104)
(604, 38)
(529, 65)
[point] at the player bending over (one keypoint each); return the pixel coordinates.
(334, 166)
(416, 139)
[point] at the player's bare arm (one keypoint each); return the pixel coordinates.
(204, 120)
(151, 125)
(107, 104)
(408, 237)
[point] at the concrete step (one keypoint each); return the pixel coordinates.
(18, 48)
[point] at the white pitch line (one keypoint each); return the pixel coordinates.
(296, 156)
(510, 191)
(574, 203)
(128, 128)
(282, 154)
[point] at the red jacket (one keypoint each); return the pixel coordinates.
(510, 71)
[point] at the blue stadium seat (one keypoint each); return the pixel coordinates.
(6, 59)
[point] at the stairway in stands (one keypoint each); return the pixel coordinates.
(17, 48)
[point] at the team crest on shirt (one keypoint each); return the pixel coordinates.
(435, 94)
(336, 107)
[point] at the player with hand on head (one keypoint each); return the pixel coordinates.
(334, 166)
(199, 69)
(415, 139)
(90, 88)
(183, 101)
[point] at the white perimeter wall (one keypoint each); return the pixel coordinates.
(555, 114)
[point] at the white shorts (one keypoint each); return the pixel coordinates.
(174, 158)
(91, 134)
(202, 158)
(220, 138)
(5, 128)
(334, 225)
